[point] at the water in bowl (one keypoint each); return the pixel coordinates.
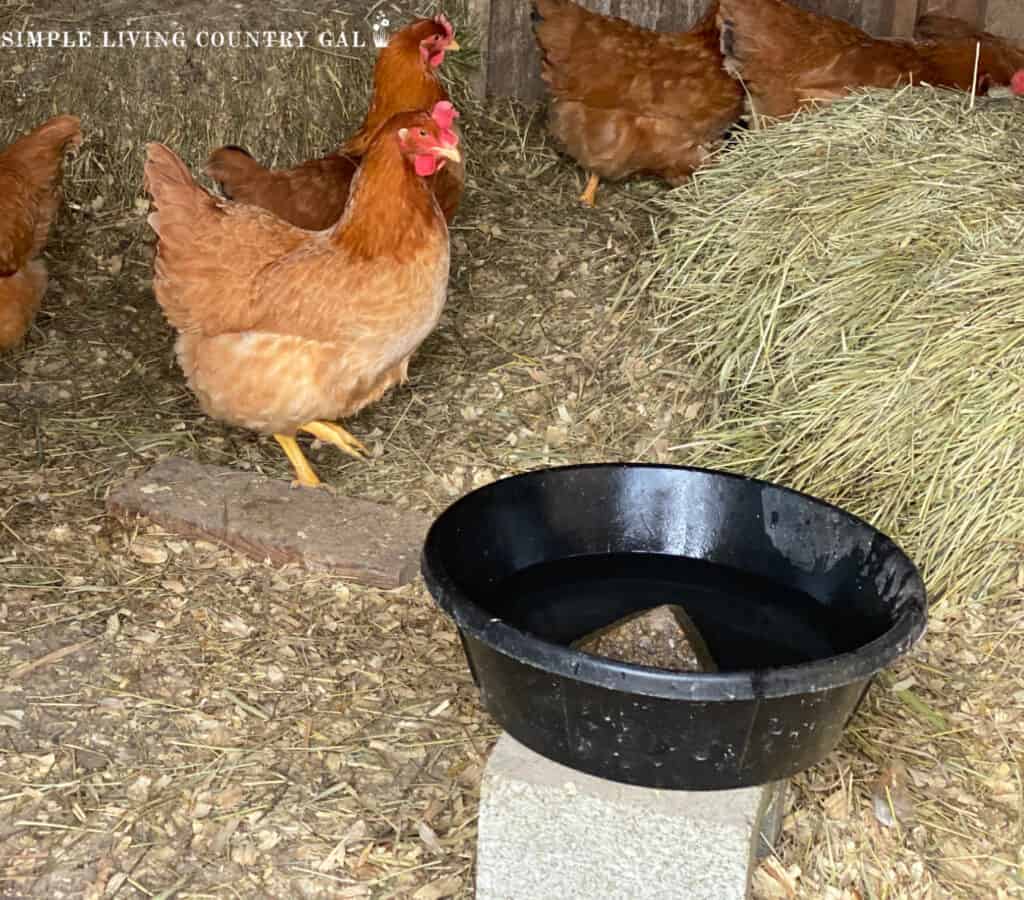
(748, 622)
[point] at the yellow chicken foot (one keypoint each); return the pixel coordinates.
(331, 433)
(303, 470)
(589, 195)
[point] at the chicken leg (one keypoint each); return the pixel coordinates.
(589, 195)
(329, 433)
(305, 475)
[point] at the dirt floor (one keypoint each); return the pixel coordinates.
(176, 720)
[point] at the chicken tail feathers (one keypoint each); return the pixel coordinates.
(556, 26)
(39, 155)
(182, 210)
(238, 149)
(546, 9)
(231, 167)
(168, 182)
(62, 133)
(31, 170)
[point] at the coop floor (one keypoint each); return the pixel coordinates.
(176, 720)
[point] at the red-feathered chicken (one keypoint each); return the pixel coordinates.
(999, 58)
(626, 100)
(786, 56)
(313, 195)
(31, 170)
(283, 329)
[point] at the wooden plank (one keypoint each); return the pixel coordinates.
(680, 16)
(848, 10)
(1006, 17)
(480, 22)
(904, 16)
(864, 14)
(658, 15)
(644, 13)
(974, 12)
(875, 16)
(513, 65)
(266, 518)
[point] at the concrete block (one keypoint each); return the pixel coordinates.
(547, 832)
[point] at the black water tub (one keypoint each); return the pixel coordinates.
(800, 604)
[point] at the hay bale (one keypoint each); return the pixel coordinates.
(853, 284)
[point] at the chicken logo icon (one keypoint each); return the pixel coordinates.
(380, 30)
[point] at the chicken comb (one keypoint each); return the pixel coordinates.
(442, 20)
(444, 113)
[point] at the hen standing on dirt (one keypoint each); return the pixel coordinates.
(313, 194)
(31, 170)
(626, 100)
(282, 329)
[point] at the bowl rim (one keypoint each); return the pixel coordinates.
(737, 685)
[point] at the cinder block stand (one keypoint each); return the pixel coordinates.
(548, 832)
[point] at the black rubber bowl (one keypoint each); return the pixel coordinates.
(799, 603)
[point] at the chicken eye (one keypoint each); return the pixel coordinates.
(423, 132)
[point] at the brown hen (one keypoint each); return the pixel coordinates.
(313, 195)
(281, 329)
(626, 100)
(31, 171)
(998, 60)
(786, 56)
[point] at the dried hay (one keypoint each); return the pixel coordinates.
(852, 283)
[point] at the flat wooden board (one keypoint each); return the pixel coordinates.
(268, 519)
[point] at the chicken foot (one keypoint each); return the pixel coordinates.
(589, 195)
(329, 433)
(332, 433)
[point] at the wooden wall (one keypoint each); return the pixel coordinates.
(513, 63)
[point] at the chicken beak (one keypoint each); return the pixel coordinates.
(453, 45)
(451, 153)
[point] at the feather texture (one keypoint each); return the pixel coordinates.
(279, 326)
(31, 171)
(313, 194)
(626, 100)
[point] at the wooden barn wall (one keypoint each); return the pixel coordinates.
(513, 63)
(884, 18)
